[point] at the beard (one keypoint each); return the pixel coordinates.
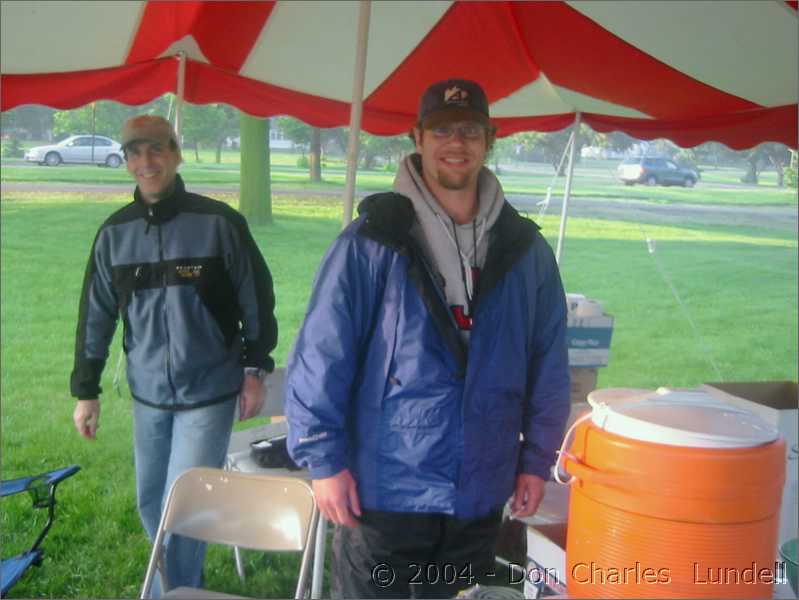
(454, 182)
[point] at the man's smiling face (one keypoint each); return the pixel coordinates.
(452, 154)
(153, 166)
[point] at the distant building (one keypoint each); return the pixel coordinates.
(277, 139)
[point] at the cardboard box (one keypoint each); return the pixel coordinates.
(777, 402)
(583, 382)
(545, 571)
(588, 340)
(546, 560)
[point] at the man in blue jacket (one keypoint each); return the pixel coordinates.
(197, 305)
(429, 382)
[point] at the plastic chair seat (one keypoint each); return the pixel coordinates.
(189, 592)
(42, 490)
(13, 568)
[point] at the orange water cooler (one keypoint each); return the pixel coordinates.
(673, 495)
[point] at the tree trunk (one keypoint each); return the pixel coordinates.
(751, 171)
(256, 194)
(368, 161)
(219, 145)
(197, 151)
(778, 167)
(315, 156)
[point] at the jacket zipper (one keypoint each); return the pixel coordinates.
(168, 361)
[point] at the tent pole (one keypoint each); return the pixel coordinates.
(94, 127)
(568, 190)
(181, 93)
(364, 9)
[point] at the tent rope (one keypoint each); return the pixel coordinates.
(117, 373)
(544, 204)
(703, 346)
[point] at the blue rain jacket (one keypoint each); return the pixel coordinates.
(380, 383)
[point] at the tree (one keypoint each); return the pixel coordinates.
(504, 148)
(717, 154)
(618, 141)
(256, 193)
(209, 124)
(36, 120)
(791, 170)
(315, 152)
(305, 136)
(371, 147)
(109, 117)
(550, 146)
(778, 155)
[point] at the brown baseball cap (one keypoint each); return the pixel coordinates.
(453, 100)
(147, 128)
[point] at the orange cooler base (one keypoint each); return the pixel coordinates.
(626, 555)
(651, 520)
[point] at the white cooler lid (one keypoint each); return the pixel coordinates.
(681, 418)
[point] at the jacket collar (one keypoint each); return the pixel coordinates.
(166, 208)
(389, 217)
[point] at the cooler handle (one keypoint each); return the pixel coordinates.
(562, 452)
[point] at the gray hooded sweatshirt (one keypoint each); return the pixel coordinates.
(456, 252)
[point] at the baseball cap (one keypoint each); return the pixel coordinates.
(147, 128)
(453, 100)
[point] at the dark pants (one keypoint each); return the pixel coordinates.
(413, 555)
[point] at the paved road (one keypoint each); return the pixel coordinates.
(783, 218)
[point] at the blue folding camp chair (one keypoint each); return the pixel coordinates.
(42, 490)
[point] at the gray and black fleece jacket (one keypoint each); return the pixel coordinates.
(195, 297)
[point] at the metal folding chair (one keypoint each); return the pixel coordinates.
(42, 491)
(236, 509)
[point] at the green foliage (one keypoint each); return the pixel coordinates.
(295, 130)
(109, 117)
(372, 147)
(549, 147)
(209, 124)
(615, 140)
(302, 162)
(12, 148)
(34, 120)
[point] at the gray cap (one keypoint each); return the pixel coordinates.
(147, 128)
(453, 100)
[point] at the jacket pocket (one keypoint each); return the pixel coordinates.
(419, 411)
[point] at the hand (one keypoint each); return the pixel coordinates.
(87, 418)
(251, 397)
(337, 497)
(527, 496)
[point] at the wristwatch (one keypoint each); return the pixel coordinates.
(256, 372)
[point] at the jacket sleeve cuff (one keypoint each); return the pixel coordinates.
(325, 471)
(534, 464)
(267, 364)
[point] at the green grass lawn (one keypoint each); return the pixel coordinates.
(738, 285)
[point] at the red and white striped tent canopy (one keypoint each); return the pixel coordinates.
(692, 71)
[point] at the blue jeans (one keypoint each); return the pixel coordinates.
(167, 443)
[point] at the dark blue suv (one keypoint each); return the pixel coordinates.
(656, 171)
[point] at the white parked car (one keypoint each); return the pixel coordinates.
(78, 149)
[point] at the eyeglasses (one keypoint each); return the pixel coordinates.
(468, 131)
